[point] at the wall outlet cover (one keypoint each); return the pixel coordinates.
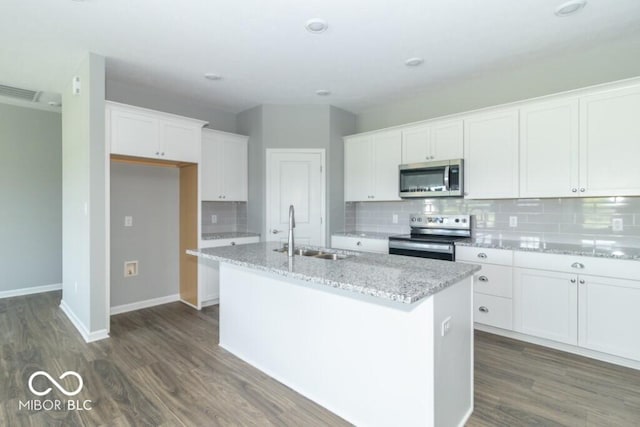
(130, 268)
(128, 221)
(617, 224)
(513, 221)
(446, 326)
(214, 219)
(394, 218)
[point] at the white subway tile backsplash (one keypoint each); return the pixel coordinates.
(231, 216)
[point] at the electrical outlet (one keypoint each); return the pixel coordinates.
(617, 224)
(394, 218)
(513, 221)
(446, 326)
(214, 219)
(130, 268)
(128, 221)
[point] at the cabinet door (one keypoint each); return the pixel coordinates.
(491, 155)
(447, 142)
(610, 143)
(609, 316)
(210, 186)
(387, 152)
(232, 163)
(546, 304)
(549, 149)
(180, 141)
(358, 169)
(133, 134)
(415, 144)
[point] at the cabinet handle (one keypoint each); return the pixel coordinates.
(577, 265)
(162, 153)
(574, 190)
(573, 280)
(359, 243)
(582, 190)
(233, 243)
(157, 153)
(482, 255)
(276, 231)
(483, 278)
(483, 309)
(582, 281)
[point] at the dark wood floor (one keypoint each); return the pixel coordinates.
(162, 367)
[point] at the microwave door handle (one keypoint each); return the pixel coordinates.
(446, 178)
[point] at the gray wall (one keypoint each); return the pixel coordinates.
(295, 126)
(150, 195)
(83, 197)
(541, 76)
(141, 96)
(31, 192)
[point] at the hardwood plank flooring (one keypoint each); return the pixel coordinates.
(162, 367)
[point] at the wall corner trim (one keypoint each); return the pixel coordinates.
(118, 309)
(30, 290)
(86, 335)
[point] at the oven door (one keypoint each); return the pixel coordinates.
(442, 251)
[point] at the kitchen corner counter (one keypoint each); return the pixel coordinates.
(228, 235)
(365, 234)
(577, 248)
(390, 277)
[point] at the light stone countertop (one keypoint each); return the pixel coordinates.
(391, 277)
(589, 248)
(228, 235)
(365, 234)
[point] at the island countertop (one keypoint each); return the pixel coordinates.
(392, 277)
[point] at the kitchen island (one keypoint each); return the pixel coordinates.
(378, 339)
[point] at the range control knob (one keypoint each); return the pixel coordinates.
(457, 219)
(419, 219)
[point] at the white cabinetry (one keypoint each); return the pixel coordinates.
(610, 142)
(492, 298)
(138, 132)
(371, 166)
(360, 244)
(224, 172)
(209, 270)
(546, 304)
(549, 149)
(433, 142)
(491, 155)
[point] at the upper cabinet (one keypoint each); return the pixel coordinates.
(371, 166)
(433, 142)
(223, 169)
(138, 132)
(491, 155)
(549, 149)
(610, 143)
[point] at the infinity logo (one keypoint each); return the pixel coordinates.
(58, 386)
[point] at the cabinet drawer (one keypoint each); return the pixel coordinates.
(494, 280)
(217, 243)
(606, 267)
(360, 244)
(484, 255)
(493, 311)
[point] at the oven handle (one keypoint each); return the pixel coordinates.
(446, 178)
(427, 247)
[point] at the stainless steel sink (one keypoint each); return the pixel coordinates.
(313, 253)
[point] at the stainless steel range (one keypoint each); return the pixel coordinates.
(432, 236)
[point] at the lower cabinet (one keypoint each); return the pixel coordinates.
(493, 311)
(546, 304)
(209, 270)
(609, 315)
(348, 243)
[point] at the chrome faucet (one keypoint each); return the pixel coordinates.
(292, 225)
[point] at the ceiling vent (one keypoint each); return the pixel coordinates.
(15, 92)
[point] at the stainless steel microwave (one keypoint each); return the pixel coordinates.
(432, 179)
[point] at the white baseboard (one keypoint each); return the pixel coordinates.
(31, 290)
(144, 304)
(86, 335)
(189, 304)
(210, 302)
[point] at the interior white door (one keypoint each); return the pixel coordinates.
(296, 177)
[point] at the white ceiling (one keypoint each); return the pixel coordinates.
(265, 55)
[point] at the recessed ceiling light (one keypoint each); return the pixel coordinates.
(212, 76)
(316, 25)
(323, 92)
(413, 62)
(571, 7)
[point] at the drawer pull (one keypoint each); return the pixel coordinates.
(573, 280)
(582, 282)
(483, 309)
(233, 243)
(359, 243)
(482, 255)
(483, 278)
(577, 265)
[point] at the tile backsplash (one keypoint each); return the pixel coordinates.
(554, 220)
(231, 216)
